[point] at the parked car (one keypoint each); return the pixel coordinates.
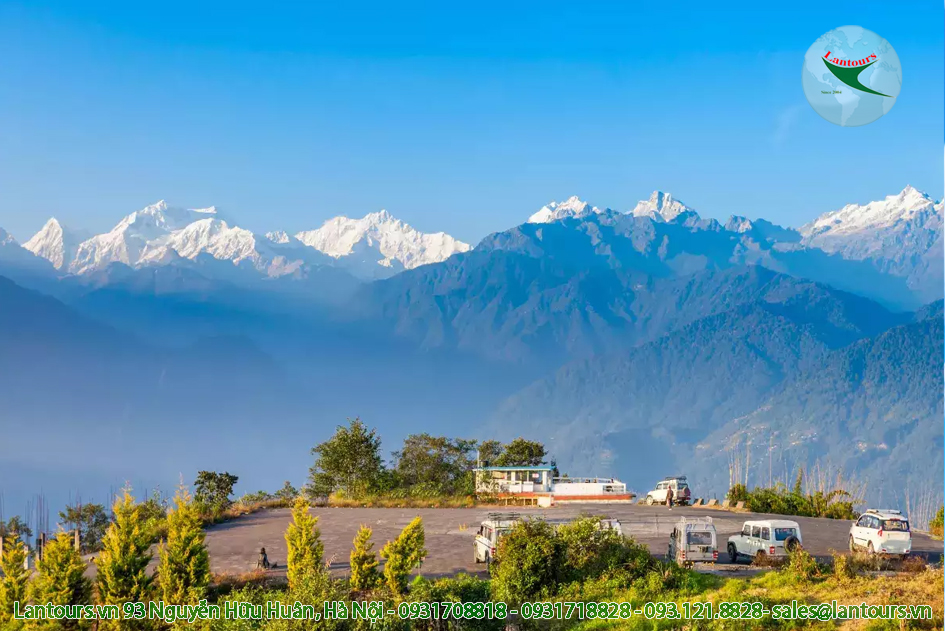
(680, 491)
(499, 524)
(693, 540)
(765, 538)
(881, 531)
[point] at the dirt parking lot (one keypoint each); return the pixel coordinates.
(450, 533)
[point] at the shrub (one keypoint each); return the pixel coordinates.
(938, 523)
(305, 548)
(590, 551)
(843, 568)
(364, 574)
(461, 588)
(60, 576)
(122, 564)
(913, 564)
(256, 498)
(402, 555)
(15, 577)
(528, 561)
(738, 493)
(780, 500)
(184, 569)
(801, 565)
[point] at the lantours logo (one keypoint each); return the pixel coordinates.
(848, 71)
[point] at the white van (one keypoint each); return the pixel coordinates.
(881, 531)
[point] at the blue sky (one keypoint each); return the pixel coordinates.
(463, 118)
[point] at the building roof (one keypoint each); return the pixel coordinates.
(540, 468)
(886, 513)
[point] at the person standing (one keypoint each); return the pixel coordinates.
(669, 498)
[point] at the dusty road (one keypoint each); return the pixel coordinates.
(450, 532)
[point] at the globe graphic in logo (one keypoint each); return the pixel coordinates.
(851, 76)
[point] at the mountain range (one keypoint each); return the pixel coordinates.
(634, 343)
(375, 246)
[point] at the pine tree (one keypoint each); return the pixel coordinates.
(364, 574)
(183, 571)
(122, 563)
(403, 554)
(305, 548)
(15, 576)
(60, 576)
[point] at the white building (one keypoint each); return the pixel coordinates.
(537, 482)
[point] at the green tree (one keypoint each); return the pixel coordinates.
(60, 577)
(528, 561)
(91, 520)
(213, 489)
(435, 465)
(489, 451)
(122, 564)
(522, 453)
(15, 526)
(349, 462)
(305, 548)
(183, 572)
(15, 576)
(364, 574)
(287, 493)
(402, 555)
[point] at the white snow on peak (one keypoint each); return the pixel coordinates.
(126, 242)
(660, 206)
(56, 243)
(278, 236)
(7, 239)
(379, 240)
(897, 228)
(854, 218)
(556, 211)
(737, 223)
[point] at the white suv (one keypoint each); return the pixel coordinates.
(881, 531)
(680, 491)
(768, 538)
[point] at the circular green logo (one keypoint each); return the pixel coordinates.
(851, 76)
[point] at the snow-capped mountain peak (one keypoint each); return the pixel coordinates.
(126, 242)
(56, 243)
(278, 236)
(856, 218)
(6, 238)
(901, 234)
(737, 223)
(378, 243)
(555, 211)
(660, 206)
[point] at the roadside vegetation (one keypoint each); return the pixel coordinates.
(832, 502)
(937, 523)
